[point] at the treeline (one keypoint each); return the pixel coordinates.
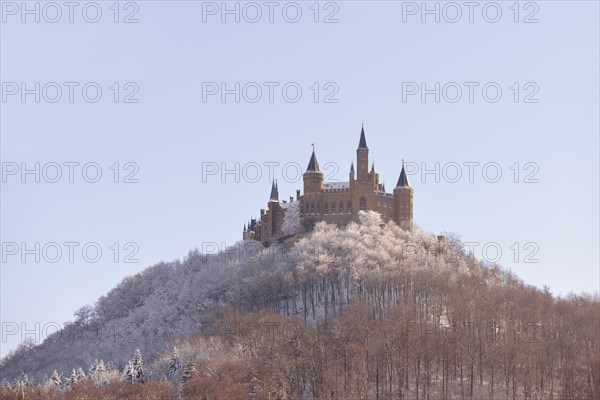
(509, 342)
(362, 355)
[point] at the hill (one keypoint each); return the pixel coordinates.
(367, 310)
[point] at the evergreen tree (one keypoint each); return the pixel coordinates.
(73, 378)
(174, 366)
(138, 368)
(129, 373)
(92, 370)
(100, 372)
(80, 374)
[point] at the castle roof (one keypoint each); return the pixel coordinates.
(362, 144)
(336, 185)
(313, 164)
(274, 193)
(403, 179)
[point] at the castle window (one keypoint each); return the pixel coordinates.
(349, 207)
(363, 203)
(333, 208)
(312, 206)
(341, 207)
(325, 208)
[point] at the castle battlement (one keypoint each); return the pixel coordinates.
(334, 202)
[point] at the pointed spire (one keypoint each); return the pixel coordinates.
(372, 167)
(313, 164)
(352, 166)
(274, 193)
(403, 179)
(244, 227)
(362, 144)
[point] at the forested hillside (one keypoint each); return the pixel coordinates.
(368, 311)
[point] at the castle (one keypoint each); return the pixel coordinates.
(334, 202)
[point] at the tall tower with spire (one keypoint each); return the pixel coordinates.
(273, 225)
(362, 158)
(403, 201)
(313, 191)
(274, 193)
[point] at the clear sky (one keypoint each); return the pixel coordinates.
(367, 61)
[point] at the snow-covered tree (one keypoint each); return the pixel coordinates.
(138, 367)
(97, 372)
(100, 376)
(291, 219)
(56, 379)
(72, 378)
(22, 380)
(92, 370)
(174, 366)
(80, 374)
(129, 373)
(84, 315)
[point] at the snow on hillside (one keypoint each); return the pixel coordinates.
(316, 278)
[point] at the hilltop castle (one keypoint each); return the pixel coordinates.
(335, 202)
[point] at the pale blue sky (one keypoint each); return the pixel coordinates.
(368, 53)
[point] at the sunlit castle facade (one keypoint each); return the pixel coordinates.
(335, 202)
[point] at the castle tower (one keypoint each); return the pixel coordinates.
(361, 188)
(374, 178)
(403, 202)
(273, 220)
(313, 177)
(362, 158)
(313, 194)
